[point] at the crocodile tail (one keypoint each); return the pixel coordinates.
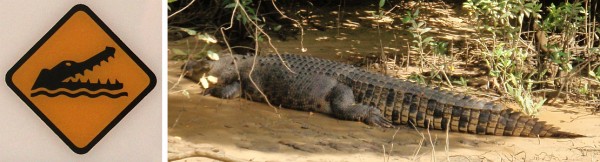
(408, 103)
(511, 123)
(443, 110)
(561, 134)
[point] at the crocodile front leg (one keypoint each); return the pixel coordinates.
(343, 106)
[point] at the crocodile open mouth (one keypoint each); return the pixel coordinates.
(60, 76)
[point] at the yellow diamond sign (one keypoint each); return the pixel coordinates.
(80, 79)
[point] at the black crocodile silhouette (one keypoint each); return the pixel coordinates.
(58, 76)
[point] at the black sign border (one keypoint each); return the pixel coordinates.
(60, 23)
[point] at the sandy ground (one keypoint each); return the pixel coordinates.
(256, 132)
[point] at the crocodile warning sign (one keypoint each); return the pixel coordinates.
(80, 79)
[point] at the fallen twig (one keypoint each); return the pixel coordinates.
(203, 153)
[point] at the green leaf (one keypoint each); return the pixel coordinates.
(427, 40)
(177, 51)
(406, 20)
(212, 55)
(231, 5)
(494, 73)
(425, 30)
(189, 31)
(244, 20)
(206, 38)
(381, 3)
(250, 11)
(277, 28)
(539, 104)
(416, 14)
(186, 93)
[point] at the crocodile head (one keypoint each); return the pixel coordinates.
(223, 68)
(194, 69)
(59, 75)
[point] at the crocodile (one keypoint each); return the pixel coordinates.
(54, 78)
(351, 93)
(60, 77)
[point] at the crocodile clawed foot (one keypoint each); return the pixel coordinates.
(208, 91)
(227, 96)
(376, 119)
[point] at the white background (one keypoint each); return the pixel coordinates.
(25, 137)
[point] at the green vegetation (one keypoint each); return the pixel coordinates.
(509, 52)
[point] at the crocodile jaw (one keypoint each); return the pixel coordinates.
(54, 78)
